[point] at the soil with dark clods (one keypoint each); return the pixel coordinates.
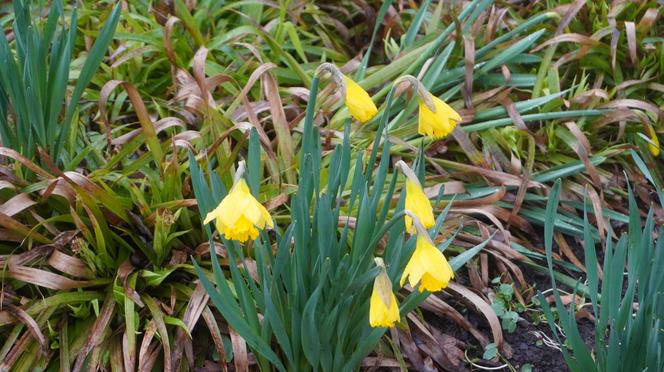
(530, 344)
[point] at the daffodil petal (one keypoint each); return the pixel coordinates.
(359, 103)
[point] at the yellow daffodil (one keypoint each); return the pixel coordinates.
(383, 307)
(654, 146)
(428, 267)
(358, 101)
(240, 215)
(438, 123)
(418, 203)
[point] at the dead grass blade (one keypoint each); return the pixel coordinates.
(630, 33)
(376, 362)
(444, 349)
(571, 37)
(240, 357)
(582, 149)
(159, 126)
(469, 63)
(192, 313)
(468, 147)
(198, 68)
(16, 204)
(31, 324)
(158, 318)
(499, 178)
(65, 363)
(147, 126)
(146, 356)
(17, 349)
(97, 332)
(7, 152)
(567, 251)
(168, 47)
(436, 305)
(627, 103)
(597, 204)
(404, 339)
(212, 326)
(648, 20)
(70, 265)
(281, 128)
(44, 278)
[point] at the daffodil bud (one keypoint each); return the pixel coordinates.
(416, 201)
(653, 146)
(383, 307)
(357, 100)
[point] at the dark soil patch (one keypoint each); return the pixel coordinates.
(529, 348)
(527, 342)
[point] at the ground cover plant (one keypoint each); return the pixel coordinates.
(123, 127)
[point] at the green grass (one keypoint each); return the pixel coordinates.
(97, 230)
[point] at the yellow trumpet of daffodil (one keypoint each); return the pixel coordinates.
(427, 266)
(654, 146)
(383, 306)
(437, 123)
(436, 118)
(240, 215)
(416, 201)
(358, 101)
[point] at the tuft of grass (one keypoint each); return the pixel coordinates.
(35, 111)
(627, 314)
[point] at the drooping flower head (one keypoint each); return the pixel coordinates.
(654, 145)
(436, 118)
(383, 307)
(427, 266)
(416, 201)
(240, 215)
(359, 103)
(439, 122)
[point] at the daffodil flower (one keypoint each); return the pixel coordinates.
(416, 201)
(359, 103)
(383, 307)
(240, 215)
(654, 145)
(437, 123)
(436, 118)
(427, 266)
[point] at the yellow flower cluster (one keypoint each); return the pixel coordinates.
(436, 118)
(240, 216)
(427, 267)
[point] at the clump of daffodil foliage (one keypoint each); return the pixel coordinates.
(325, 289)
